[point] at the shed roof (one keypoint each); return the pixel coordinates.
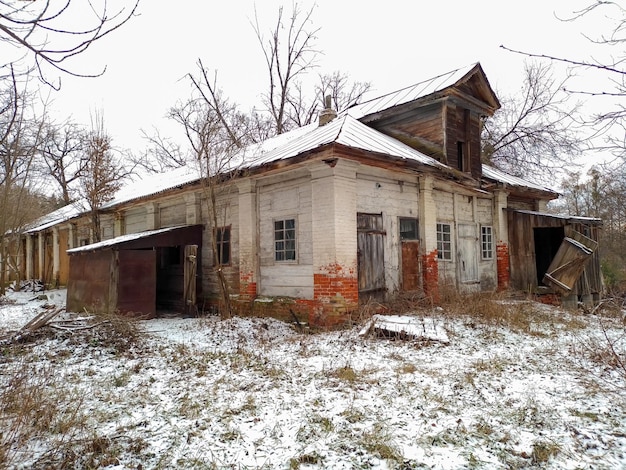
(569, 218)
(131, 237)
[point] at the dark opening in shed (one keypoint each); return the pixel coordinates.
(140, 274)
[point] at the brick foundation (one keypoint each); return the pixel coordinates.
(430, 270)
(503, 266)
(247, 285)
(335, 295)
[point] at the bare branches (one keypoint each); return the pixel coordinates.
(611, 83)
(38, 31)
(289, 52)
(103, 173)
(535, 131)
(64, 157)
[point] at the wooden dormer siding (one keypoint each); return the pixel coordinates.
(444, 124)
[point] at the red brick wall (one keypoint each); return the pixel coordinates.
(247, 285)
(335, 294)
(503, 266)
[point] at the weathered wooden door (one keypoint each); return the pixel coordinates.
(410, 266)
(189, 276)
(370, 245)
(136, 289)
(569, 262)
(467, 257)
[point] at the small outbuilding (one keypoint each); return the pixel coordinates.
(137, 274)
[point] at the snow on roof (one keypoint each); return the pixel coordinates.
(348, 131)
(560, 216)
(56, 217)
(408, 94)
(122, 239)
(502, 177)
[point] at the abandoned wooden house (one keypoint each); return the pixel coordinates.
(389, 196)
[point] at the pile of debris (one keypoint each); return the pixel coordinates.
(405, 327)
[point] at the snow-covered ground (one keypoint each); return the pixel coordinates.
(539, 389)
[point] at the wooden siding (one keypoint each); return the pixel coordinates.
(135, 220)
(172, 215)
(64, 261)
(523, 250)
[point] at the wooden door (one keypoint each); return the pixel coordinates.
(569, 262)
(467, 256)
(370, 245)
(410, 265)
(189, 279)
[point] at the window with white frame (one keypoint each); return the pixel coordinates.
(444, 242)
(486, 242)
(285, 240)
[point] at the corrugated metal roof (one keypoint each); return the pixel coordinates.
(502, 177)
(58, 216)
(577, 218)
(346, 131)
(410, 93)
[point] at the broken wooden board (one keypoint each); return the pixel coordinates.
(405, 327)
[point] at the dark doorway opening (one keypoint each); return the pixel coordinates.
(547, 243)
(170, 279)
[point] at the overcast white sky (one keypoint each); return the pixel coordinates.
(391, 44)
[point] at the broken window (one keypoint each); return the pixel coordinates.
(486, 242)
(444, 242)
(285, 240)
(222, 240)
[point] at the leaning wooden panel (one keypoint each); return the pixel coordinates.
(569, 262)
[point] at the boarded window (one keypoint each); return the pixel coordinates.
(285, 240)
(486, 242)
(222, 240)
(444, 242)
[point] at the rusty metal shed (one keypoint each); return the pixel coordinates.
(553, 254)
(138, 274)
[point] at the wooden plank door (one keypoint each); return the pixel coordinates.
(467, 257)
(410, 265)
(569, 262)
(189, 279)
(370, 245)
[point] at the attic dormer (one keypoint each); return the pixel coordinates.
(441, 117)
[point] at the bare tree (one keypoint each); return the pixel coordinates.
(344, 93)
(103, 174)
(216, 132)
(64, 156)
(289, 53)
(38, 34)
(20, 135)
(601, 193)
(536, 131)
(609, 125)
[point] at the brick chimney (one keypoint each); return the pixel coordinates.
(328, 113)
